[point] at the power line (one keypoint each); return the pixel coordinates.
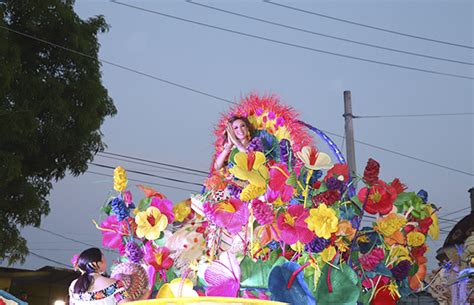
(405, 155)
(329, 36)
(291, 44)
(147, 174)
(169, 170)
(50, 260)
(73, 239)
(120, 66)
(457, 211)
(370, 26)
(155, 162)
(146, 182)
(411, 115)
(209, 95)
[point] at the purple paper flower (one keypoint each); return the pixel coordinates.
(263, 212)
(119, 208)
(400, 271)
(133, 252)
(318, 244)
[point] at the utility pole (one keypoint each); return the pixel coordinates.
(349, 132)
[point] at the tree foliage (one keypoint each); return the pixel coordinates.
(52, 104)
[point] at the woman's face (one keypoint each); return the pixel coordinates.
(240, 129)
(102, 264)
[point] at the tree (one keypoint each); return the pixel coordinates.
(52, 104)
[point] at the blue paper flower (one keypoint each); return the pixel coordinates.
(297, 294)
(119, 208)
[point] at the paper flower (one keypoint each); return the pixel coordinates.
(232, 214)
(345, 229)
(119, 208)
(158, 257)
(120, 179)
(328, 254)
(177, 288)
(279, 175)
(415, 239)
(338, 171)
(251, 167)
(251, 191)
(223, 276)
(165, 206)
(370, 260)
(313, 159)
(390, 224)
(133, 252)
(322, 221)
(182, 210)
(150, 223)
(292, 226)
(380, 198)
(150, 192)
(262, 212)
(111, 230)
(371, 172)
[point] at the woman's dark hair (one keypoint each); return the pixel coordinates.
(88, 262)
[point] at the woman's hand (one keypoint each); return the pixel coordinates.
(231, 135)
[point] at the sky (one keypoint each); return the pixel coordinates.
(165, 123)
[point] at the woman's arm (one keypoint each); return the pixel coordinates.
(223, 156)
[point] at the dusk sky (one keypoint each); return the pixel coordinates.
(166, 123)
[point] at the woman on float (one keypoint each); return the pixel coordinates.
(238, 136)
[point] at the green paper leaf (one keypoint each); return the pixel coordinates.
(345, 286)
(106, 209)
(255, 274)
(144, 204)
(413, 270)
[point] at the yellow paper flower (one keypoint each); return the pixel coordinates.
(120, 179)
(415, 239)
(390, 224)
(251, 167)
(328, 254)
(150, 223)
(282, 133)
(182, 210)
(172, 289)
(298, 247)
(341, 244)
(322, 221)
(251, 191)
(400, 253)
(314, 159)
(434, 228)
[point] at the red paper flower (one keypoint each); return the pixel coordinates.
(278, 176)
(398, 186)
(380, 198)
(339, 171)
(329, 197)
(371, 172)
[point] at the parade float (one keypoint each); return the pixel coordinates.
(280, 222)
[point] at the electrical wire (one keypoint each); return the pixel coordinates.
(329, 36)
(292, 44)
(73, 239)
(411, 115)
(147, 174)
(370, 26)
(50, 260)
(457, 211)
(167, 169)
(146, 182)
(155, 162)
(120, 66)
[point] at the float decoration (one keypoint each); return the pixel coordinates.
(277, 223)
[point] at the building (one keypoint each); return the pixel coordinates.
(44, 286)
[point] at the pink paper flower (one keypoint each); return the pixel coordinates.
(112, 235)
(158, 257)
(165, 206)
(278, 177)
(232, 214)
(370, 260)
(292, 225)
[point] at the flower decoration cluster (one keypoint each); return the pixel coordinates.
(278, 223)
